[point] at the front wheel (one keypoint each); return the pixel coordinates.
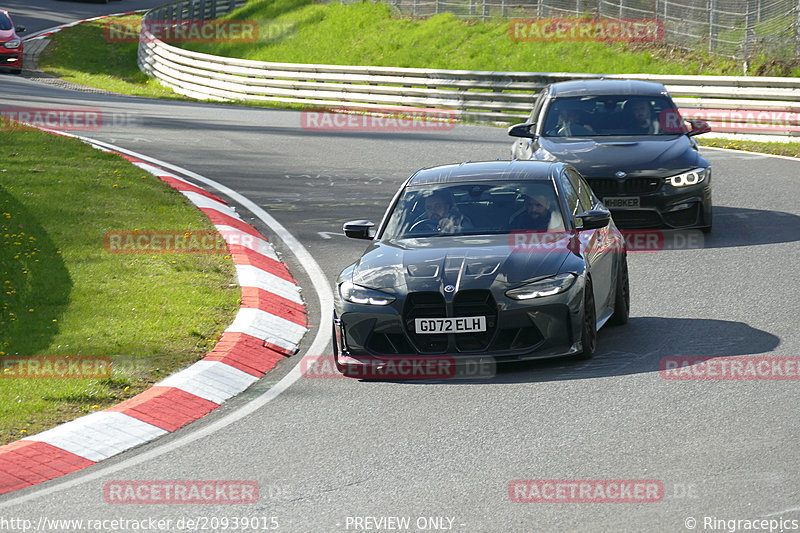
(589, 324)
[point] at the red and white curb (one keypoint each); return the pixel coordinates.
(268, 327)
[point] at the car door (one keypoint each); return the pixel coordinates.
(595, 243)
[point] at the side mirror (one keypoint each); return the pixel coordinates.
(594, 219)
(20, 29)
(698, 126)
(359, 229)
(522, 130)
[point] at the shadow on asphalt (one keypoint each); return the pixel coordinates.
(739, 226)
(636, 348)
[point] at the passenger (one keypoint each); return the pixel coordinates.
(536, 215)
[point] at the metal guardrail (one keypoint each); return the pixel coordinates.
(765, 105)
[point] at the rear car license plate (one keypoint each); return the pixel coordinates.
(467, 324)
(621, 202)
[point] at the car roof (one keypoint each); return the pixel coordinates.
(607, 87)
(487, 171)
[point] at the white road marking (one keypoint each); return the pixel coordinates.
(100, 435)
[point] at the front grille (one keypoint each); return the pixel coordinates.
(517, 333)
(475, 303)
(425, 305)
(607, 187)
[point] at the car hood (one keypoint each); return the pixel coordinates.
(467, 262)
(7, 35)
(645, 156)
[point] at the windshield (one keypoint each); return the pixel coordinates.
(612, 115)
(474, 209)
(5, 22)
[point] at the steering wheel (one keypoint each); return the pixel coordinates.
(424, 226)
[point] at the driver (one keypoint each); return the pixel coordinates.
(442, 215)
(640, 117)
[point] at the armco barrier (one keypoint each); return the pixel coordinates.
(771, 102)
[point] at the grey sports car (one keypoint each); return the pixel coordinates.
(511, 260)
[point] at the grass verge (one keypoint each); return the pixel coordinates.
(791, 149)
(64, 295)
(82, 55)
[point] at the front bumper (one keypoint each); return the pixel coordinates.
(520, 330)
(667, 206)
(11, 58)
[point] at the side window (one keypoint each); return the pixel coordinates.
(571, 196)
(582, 189)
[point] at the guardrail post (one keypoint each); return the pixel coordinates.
(712, 25)
(749, 29)
(232, 6)
(797, 35)
(213, 8)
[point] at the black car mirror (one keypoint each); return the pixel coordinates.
(522, 130)
(359, 229)
(593, 219)
(698, 126)
(19, 29)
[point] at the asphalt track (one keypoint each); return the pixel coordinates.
(328, 451)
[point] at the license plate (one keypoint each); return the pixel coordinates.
(468, 324)
(621, 202)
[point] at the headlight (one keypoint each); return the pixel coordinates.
(12, 44)
(692, 177)
(361, 295)
(543, 287)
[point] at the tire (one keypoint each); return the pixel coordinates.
(588, 324)
(622, 298)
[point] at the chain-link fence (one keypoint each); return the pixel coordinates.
(734, 28)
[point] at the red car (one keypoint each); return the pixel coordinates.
(10, 43)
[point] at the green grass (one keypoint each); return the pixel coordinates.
(301, 31)
(82, 55)
(64, 295)
(791, 149)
